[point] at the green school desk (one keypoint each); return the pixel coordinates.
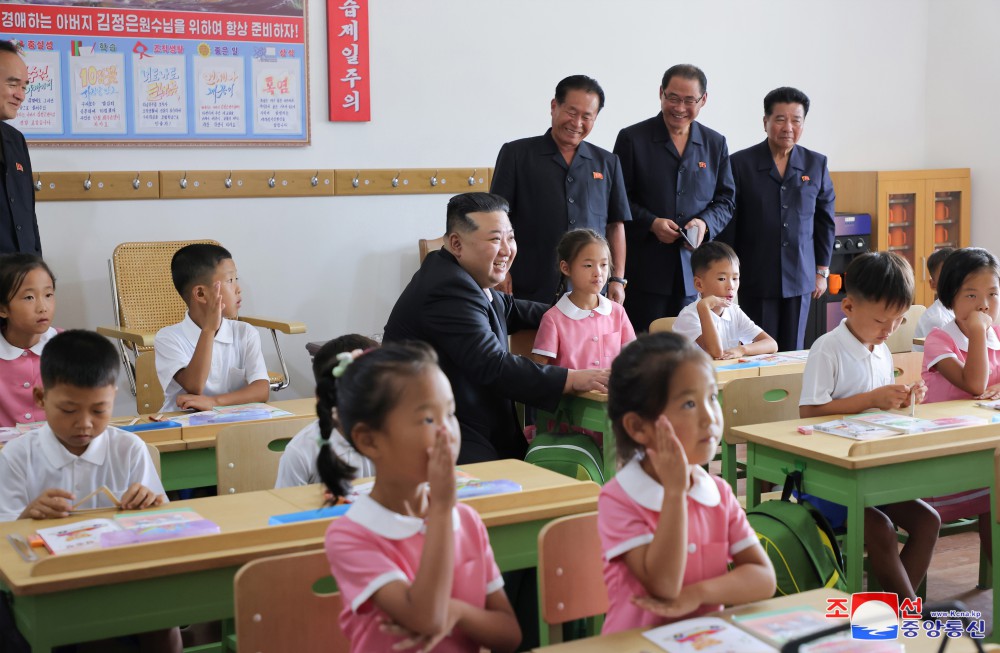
(98, 594)
(187, 454)
(862, 474)
(632, 641)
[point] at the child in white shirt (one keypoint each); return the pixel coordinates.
(936, 314)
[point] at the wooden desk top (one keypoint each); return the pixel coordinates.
(632, 641)
(246, 536)
(853, 454)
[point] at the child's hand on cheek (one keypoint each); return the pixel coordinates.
(668, 458)
(209, 313)
(977, 320)
(441, 471)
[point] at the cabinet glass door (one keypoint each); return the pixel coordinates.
(948, 220)
(902, 236)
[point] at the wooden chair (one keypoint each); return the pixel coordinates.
(154, 453)
(755, 400)
(246, 460)
(570, 573)
(145, 301)
(279, 608)
(902, 339)
(425, 245)
(907, 366)
(662, 324)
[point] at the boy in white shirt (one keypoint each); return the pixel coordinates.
(715, 322)
(850, 370)
(209, 359)
(936, 314)
(297, 465)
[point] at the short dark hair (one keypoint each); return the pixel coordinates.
(460, 206)
(786, 95)
(959, 265)
(937, 259)
(640, 381)
(883, 277)
(708, 253)
(685, 71)
(579, 83)
(13, 269)
(195, 264)
(366, 393)
(80, 358)
(10, 46)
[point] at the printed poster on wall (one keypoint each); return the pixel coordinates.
(186, 72)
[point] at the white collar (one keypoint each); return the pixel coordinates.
(391, 525)
(59, 456)
(962, 340)
(9, 352)
(857, 349)
(641, 488)
(574, 312)
(192, 331)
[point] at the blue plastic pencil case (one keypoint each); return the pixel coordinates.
(151, 426)
(307, 515)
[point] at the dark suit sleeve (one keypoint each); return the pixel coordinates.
(823, 227)
(504, 181)
(461, 322)
(523, 313)
(618, 206)
(31, 177)
(720, 210)
(642, 218)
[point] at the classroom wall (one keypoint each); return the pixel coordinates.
(961, 98)
(451, 81)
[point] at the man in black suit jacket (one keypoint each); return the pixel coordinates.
(450, 304)
(677, 175)
(18, 225)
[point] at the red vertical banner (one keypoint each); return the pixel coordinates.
(347, 43)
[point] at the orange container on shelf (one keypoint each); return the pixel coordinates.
(941, 211)
(835, 283)
(940, 234)
(896, 213)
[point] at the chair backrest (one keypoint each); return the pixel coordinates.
(902, 339)
(145, 297)
(154, 453)
(278, 608)
(662, 324)
(425, 245)
(907, 366)
(760, 399)
(570, 571)
(244, 459)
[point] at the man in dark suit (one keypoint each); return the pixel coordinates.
(676, 175)
(18, 224)
(783, 227)
(558, 182)
(450, 303)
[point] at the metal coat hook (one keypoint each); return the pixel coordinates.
(434, 179)
(87, 184)
(315, 180)
(355, 182)
(271, 182)
(229, 180)
(184, 180)
(136, 182)
(395, 180)
(472, 177)
(38, 182)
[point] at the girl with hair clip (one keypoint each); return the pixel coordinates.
(669, 529)
(584, 330)
(27, 306)
(414, 567)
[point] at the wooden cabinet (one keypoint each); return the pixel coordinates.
(913, 213)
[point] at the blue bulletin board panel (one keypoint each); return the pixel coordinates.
(177, 74)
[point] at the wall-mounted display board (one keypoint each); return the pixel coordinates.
(187, 72)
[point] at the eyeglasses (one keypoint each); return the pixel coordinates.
(686, 101)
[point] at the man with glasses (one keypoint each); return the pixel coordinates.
(680, 190)
(557, 182)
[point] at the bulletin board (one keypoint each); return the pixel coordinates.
(188, 72)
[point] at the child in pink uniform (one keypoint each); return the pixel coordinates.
(962, 358)
(584, 330)
(410, 562)
(668, 528)
(27, 305)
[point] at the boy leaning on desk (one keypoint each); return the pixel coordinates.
(52, 471)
